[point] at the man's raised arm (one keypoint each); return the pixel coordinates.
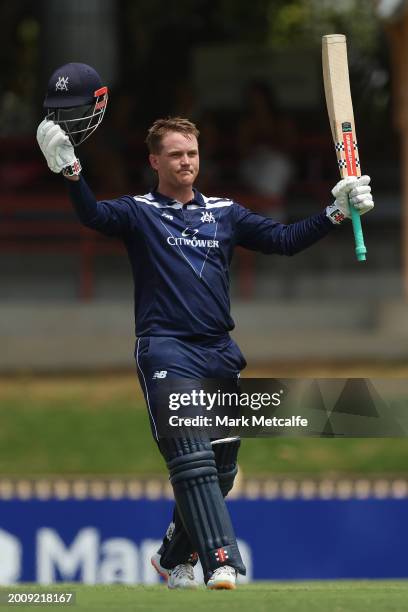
(259, 233)
(111, 217)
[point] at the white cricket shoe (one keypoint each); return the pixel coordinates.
(223, 577)
(182, 577)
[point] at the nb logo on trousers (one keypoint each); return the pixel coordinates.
(160, 374)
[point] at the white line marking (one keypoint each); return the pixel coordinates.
(147, 391)
(215, 234)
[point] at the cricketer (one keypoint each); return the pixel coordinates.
(180, 244)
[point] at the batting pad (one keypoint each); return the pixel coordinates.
(200, 502)
(177, 548)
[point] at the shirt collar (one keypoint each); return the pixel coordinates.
(198, 198)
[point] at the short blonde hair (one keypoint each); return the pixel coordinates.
(162, 126)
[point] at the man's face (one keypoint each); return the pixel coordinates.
(178, 162)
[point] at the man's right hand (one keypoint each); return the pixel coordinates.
(57, 149)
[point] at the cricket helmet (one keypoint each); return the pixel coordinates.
(76, 100)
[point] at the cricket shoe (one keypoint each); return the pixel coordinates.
(182, 577)
(223, 577)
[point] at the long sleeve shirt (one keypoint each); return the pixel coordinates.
(180, 254)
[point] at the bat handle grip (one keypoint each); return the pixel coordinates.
(361, 249)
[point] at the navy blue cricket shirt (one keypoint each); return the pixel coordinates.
(180, 254)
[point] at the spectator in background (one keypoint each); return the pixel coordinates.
(265, 141)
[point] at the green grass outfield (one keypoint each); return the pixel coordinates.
(98, 425)
(340, 596)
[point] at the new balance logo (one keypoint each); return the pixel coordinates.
(159, 374)
(170, 217)
(221, 555)
(207, 217)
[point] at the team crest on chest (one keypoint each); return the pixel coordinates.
(207, 217)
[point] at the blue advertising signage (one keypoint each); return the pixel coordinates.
(105, 541)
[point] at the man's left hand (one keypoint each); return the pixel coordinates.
(350, 191)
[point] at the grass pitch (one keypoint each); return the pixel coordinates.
(340, 596)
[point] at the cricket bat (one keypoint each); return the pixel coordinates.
(340, 109)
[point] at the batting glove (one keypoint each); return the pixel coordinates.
(350, 191)
(57, 149)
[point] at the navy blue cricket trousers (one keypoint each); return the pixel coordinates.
(158, 358)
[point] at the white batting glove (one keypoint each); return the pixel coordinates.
(57, 149)
(350, 191)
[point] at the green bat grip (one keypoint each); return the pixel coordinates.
(358, 234)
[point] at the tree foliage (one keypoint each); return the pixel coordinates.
(303, 22)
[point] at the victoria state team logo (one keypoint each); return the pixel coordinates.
(62, 84)
(207, 217)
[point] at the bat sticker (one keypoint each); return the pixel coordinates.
(349, 151)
